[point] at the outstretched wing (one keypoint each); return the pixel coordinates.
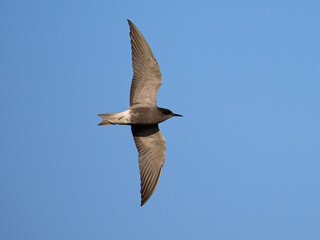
(146, 79)
(151, 146)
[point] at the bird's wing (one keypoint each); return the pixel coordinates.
(151, 146)
(146, 79)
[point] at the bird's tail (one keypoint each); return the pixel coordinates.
(115, 118)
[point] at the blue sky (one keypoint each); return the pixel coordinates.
(243, 162)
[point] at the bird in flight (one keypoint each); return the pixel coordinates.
(143, 114)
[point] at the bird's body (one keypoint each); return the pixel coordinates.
(143, 114)
(136, 115)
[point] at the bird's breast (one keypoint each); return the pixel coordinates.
(145, 115)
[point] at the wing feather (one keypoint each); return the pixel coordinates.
(151, 146)
(146, 79)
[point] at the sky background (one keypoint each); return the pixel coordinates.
(243, 162)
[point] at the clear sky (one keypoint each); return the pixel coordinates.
(243, 162)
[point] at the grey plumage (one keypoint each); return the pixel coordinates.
(146, 79)
(143, 114)
(152, 152)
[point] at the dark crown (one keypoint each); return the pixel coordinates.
(166, 111)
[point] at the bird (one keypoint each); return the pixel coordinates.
(143, 114)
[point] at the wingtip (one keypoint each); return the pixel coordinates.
(142, 203)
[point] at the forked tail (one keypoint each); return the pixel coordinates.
(114, 118)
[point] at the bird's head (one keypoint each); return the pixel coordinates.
(169, 113)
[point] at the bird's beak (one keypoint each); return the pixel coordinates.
(177, 115)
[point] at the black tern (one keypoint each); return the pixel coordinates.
(143, 114)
